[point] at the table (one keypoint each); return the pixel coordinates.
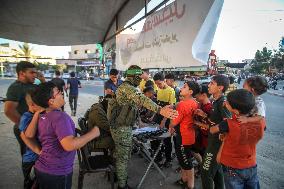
(147, 155)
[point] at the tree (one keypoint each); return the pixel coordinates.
(277, 61)
(59, 67)
(26, 50)
(262, 60)
(41, 66)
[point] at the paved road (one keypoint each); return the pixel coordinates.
(270, 152)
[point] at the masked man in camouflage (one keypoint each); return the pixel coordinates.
(122, 114)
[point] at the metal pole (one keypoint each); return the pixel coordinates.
(2, 70)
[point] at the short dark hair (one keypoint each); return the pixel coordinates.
(221, 80)
(148, 89)
(146, 70)
(113, 72)
(57, 73)
(72, 74)
(204, 90)
(170, 76)
(149, 83)
(23, 66)
(194, 87)
(258, 84)
(159, 76)
(242, 100)
(231, 79)
(43, 93)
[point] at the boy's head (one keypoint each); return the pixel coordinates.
(240, 101)
(47, 95)
(218, 85)
(256, 84)
(26, 71)
(149, 83)
(149, 92)
(170, 79)
(32, 106)
(72, 74)
(57, 73)
(189, 89)
(203, 94)
(145, 74)
(159, 80)
(113, 74)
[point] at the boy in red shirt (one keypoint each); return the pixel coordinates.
(206, 106)
(238, 151)
(185, 133)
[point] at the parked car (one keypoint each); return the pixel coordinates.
(65, 75)
(48, 75)
(203, 80)
(9, 74)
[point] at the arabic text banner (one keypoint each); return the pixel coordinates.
(179, 35)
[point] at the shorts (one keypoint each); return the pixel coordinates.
(184, 156)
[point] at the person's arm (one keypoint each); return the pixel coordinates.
(31, 130)
(214, 129)
(31, 143)
(71, 143)
(245, 119)
(108, 89)
(10, 110)
(79, 84)
(172, 97)
(222, 127)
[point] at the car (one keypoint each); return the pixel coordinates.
(203, 80)
(8, 74)
(48, 75)
(65, 75)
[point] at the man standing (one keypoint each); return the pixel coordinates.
(60, 84)
(15, 104)
(122, 114)
(146, 77)
(165, 96)
(113, 82)
(73, 84)
(170, 81)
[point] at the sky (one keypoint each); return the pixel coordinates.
(244, 26)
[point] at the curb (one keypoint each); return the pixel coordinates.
(275, 94)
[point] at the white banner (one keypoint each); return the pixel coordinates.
(179, 35)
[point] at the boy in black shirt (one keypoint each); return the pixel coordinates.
(211, 171)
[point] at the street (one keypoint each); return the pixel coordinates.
(270, 151)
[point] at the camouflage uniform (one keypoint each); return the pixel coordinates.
(127, 96)
(97, 116)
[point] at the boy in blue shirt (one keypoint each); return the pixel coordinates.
(32, 147)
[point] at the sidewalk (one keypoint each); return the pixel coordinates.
(10, 160)
(276, 92)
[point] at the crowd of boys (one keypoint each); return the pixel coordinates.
(220, 131)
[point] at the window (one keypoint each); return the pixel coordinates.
(76, 52)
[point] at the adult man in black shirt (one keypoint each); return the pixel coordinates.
(15, 104)
(60, 84)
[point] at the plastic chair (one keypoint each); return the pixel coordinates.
(93, 163)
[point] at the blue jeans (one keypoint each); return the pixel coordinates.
(48, 181)
(241, 178)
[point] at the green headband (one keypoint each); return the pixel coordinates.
(134, 72)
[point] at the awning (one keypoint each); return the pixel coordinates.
(65, 22)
